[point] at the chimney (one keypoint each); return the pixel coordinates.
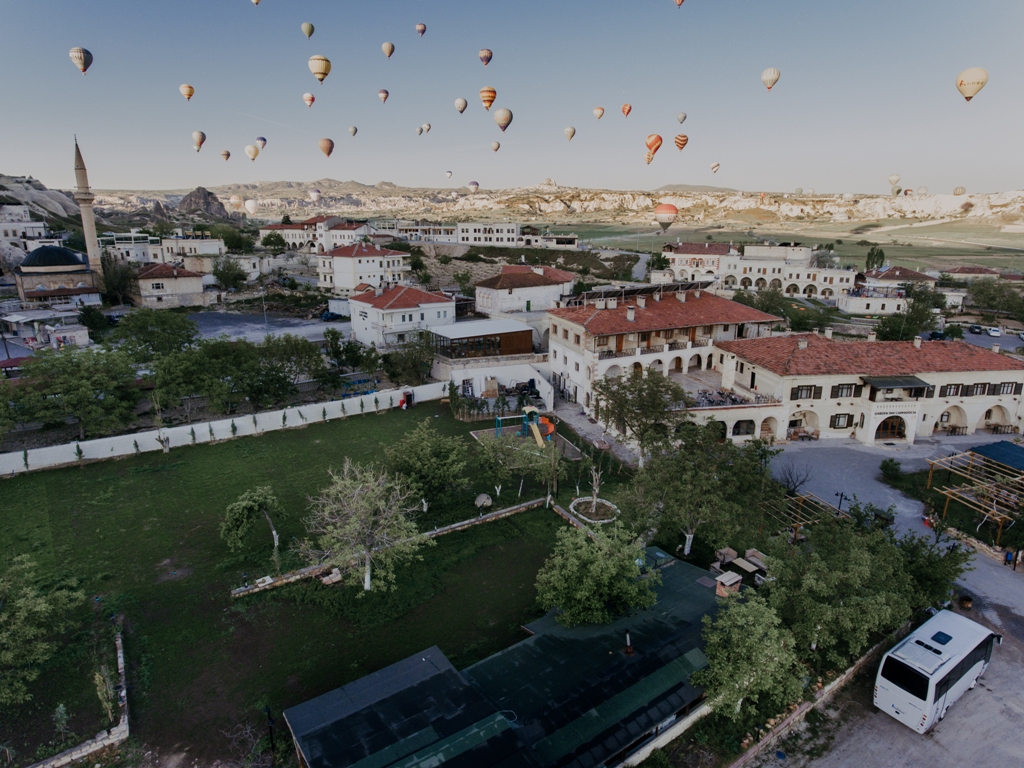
(377, 247)
(599, 304)
(681, 296)
(631, 313)
(696, 294)
(537, 270)
(814, 331)
(917, 342)
(995, 348)
(378, 291)
(707, 245)
(657, 296)
(613, 303)
(641, 301)
(801, 344)
(828, 333)
(872, 336)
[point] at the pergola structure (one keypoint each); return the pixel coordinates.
(973, 467)
(994, 490)
(795, 512)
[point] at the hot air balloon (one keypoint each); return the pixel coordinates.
(922, 191)
(798, 191)
(309, 98)
(81, 58)
(314, 195)
(653, 143)
(503, 117)
(199, 138)
(255, 2)
(426, 127)
(665, 214)
(626, 109)
(226, 155)
(894, 180)
(307, 29)
(251, 206)
(388, 49)
(847, 196)
(570, 132)
(383, 96)
(681, 117)
(252, 151)
(681, 141)
(419, 130)
(448, 174)
(970, 81)
(770, 77)
(896, 191)
(598, 112)
(486, 56)
(320, 66)
(473, 187)
(461, 104)
(715, 167)
(959, 191)
(908, 193)
(326, 146)
(495, 146)
(353, 130)
(261, 142)
(679, 3)
(487, 96)
(186, 91)
(421, 29)
(810, 192)
(235, 202)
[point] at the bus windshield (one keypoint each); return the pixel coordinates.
(910, 680)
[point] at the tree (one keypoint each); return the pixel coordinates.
(105, 691)
(298, 358)
(432, 463)
(410, 364)
(361, 523)
(954, 332)
(120, 280)
(996, 295)
(370, 360)
(7, 409)
(234, 241)
(915, 320)
(229, 273)
(792, 476)
(818, 318)
(275, 242)
(594, 579)
(501, 458)
(30, 614)
(751, 658)
(645, 406)
(146, 334)
(180, 378)
(286, 219)
(94, 319)
(95, 387)
(464, 280)
(333, 347)
(875, 258)
(241, 515)
(658, 261)
(933, 568)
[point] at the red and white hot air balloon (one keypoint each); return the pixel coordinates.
(626, 109)
(487, 96)
(309, 98)
(186, 90)
(681, 141)
(665, 214)
(679, 3)
(654, 143)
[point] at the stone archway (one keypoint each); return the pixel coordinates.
(693, 364)
(769, 428)
(677, 365)
(952, 417)
(744, 428)
(760, 284)
(806, 419)
(730, 281)
(826, 293)
(995, 417)
(775, 285)
(545, 339)
(810, 290)
(656, 365)
(613, 372)
(891, 428)
(792, 289)
(638, 366)
(745, 283)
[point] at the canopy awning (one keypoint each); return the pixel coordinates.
(896, 382)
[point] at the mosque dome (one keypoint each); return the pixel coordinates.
(53, 256)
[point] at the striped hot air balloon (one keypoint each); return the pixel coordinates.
(81, 58)
(320, 66)
(473, 187)
(960, 191)
(503, 117)
(309, 98)
(626, 109)
(715, 167)
(486, 55)
(665, 214)
(383, 96)
(187, 91)
(226, 155)
(681, 141)
(654, 143)
(326, 146)
(770, 77)
(487, 96)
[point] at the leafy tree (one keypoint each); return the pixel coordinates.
(933, 568)
(361, 523)
(645, 406)
(30, 614)
(464, 280)
(875, 258)
(105, 691)
(95, 387)
(444, 260)
(915, 320)
(229, 273)
(120, 280)
(370, 360)
(592, 580)
(234, 240)
(76, 241)
(333, 347)
(286, 219)
(410, 364)
(8, 416)
(954, 332)
(433, 464)
(751, 658)
(146, 334)
(502, 458)
(658, 261)
(297, 357)
(241, 515)
(226, 361)
(275, 242)
(179, 378)
(93, 319)
(996, 295)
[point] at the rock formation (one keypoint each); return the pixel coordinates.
(201, 200)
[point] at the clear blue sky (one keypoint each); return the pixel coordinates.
(867, 89)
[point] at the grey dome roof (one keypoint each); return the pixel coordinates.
(53, 256)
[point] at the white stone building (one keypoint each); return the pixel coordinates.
(184, 243)
(417, 231)
(134, 247)
(392, 316)
(490, 233)
(344, 270)
(18, 230)
(523, 288)
(163, 286)
(320, 234)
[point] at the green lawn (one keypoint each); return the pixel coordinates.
(142, 537)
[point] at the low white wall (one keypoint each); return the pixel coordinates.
(208, 431)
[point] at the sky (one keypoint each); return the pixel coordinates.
(867, 90)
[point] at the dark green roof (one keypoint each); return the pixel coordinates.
(53, 256)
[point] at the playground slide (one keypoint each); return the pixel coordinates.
(536, 434)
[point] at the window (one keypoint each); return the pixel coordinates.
(902, 676)
(944, 418)
(841, 421)
(707, 330)
(576, 339)
(421, 315)
(725, 329)
(1006, 388)
(602, 341)
(979, 389)
(846, 390)
(577, 367)
(565, 333)
(805, 393)
(950, 390)
(867, 306)
(156, 286)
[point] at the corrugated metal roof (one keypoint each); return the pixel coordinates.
(480, 328)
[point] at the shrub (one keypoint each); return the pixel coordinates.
(891, 470)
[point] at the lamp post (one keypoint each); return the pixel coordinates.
(841, 496)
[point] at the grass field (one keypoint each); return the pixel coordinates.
(142, 537)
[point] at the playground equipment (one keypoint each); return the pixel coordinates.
(529, 423)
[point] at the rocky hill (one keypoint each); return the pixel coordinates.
(199, 200)
(46, 203)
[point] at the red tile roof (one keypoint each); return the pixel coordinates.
(699, 249)
(280, 227)
(663, 315)
(165, 271)
(363, 287)
(899, 274)
(824, 357)
(557, 275)
(347, 225)
(401, 297)
(970, 271)
(363, 249)
(511, 278)
(318, 220)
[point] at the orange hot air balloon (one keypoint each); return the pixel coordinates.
(654, 143)
(187, 91)
(649, 156)
(681, 141)
(679, 3)
(626, 109)
(326, 146)
(487, 96)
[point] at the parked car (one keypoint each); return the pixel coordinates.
(976, 329)
(936, 336)
(994, 332)
(1021, 335)
(330, 317)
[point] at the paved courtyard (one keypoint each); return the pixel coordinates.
(251, 327)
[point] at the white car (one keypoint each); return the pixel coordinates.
(994, 332)
(1021, 335)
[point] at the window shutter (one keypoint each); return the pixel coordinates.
(1018, 388)
(944, 390)
(834, 393)
(832, 422)
(965, 390)
(930, 391)
(817, 393)
(794, 393)
(858, 390)
(993, 389)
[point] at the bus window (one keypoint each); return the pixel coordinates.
(910, 680)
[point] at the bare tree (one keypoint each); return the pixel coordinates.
(793, 477)
(361, 523)
(247, 748)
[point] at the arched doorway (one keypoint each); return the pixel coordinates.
(613, 372)
(730, 281)
(677, 365)
(952, 418)
(745, 282)
(761, 284)
(638, 367)
(807, 420)
(743, 428)
(768, 429)
(891, 428)
(810, 290)
(545, 339)
(792, 289)
(694, 364)
(994, 418)
(775, 285)
(826, 293)
(656, 365)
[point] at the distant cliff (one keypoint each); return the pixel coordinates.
(201, 200)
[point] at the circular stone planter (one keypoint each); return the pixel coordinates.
(605, 512)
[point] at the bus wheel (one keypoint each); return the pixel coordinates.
(942, 715)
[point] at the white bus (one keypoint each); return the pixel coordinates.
(924, 675)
